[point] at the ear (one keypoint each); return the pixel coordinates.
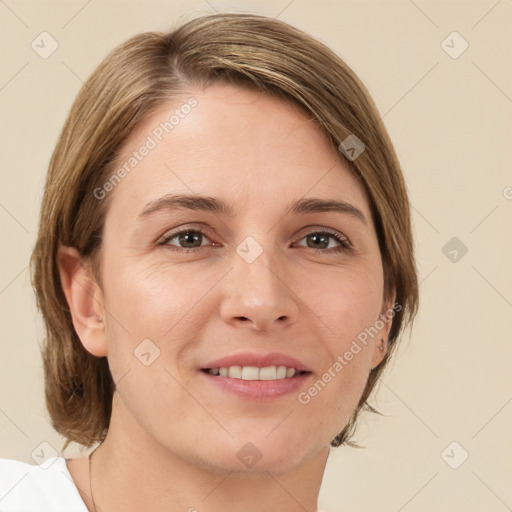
(383, 325)
(84, 298)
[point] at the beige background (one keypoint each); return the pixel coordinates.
(450, 120)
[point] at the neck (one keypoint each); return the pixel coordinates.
(132, 471)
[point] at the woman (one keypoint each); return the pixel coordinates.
(224, 266)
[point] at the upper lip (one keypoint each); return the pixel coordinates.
(259, 360)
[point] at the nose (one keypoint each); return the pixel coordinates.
(260, 294)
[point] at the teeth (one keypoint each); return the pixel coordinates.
(254, 373)
(290, 372)
(268, 373)
(249, 373)
(235, 372)
(281, 372)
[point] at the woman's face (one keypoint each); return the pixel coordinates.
(263, 279)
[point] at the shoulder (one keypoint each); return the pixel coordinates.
(37, 488)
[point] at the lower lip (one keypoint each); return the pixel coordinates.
(258, 389)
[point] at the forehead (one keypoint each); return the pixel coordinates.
(225, 141)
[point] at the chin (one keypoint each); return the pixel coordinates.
(256, 454)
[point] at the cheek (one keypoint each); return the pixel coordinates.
(346, 301)
(336, 391)
(350, 306)
(148, 331)
(146, 298)
(153, 303)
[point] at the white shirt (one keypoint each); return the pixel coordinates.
(48, 487)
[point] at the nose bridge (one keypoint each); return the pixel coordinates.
(257, 288)
(256, 266)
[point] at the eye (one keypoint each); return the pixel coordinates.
(319, 241)
(190, 239)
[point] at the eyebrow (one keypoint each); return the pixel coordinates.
(221, 207)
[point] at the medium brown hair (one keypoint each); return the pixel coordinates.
(134, 79)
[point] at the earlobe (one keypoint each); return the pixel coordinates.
(379, 352)
(381, 340)
(84, 298)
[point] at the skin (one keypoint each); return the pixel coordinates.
(173, 438)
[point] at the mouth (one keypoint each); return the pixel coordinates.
(256, 373)
(256, 376)
(257, 384)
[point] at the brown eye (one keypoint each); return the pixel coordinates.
(320, 241)
(185, 239)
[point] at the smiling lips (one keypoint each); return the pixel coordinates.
(252, 375)
(248, 362)
(253, 372)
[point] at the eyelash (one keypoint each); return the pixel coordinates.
(344, 246)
